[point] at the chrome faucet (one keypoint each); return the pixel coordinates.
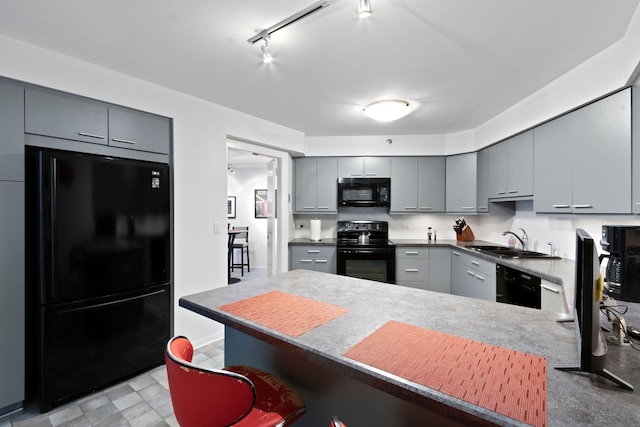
(523, 241)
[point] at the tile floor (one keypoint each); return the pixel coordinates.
(142, 401)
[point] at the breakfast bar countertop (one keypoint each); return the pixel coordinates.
(572, 398)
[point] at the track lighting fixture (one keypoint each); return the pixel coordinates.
(387, 110)
(266, 54)
(364, 8)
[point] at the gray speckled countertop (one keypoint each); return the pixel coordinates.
(572, 398)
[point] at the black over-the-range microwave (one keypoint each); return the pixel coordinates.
(364, 191)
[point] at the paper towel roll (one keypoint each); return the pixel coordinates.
(315, 230)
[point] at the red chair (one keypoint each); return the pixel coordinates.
(233, 396)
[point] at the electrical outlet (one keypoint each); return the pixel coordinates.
(216, 227)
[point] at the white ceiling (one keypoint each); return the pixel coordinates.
(461, 61)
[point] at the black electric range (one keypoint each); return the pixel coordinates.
(364, 251)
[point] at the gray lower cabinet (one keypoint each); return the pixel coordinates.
(461, 183)
(417, 184)
(569, 153)
(313, 257)
(65, 116)
(424, 268)
(12, 315)
(553, 297)
(511, 167)
(11, 132)
(367, 167)
(316, 186)
(472, 277)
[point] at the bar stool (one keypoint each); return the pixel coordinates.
(242, 243)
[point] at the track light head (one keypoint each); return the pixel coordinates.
(364, 8)
(266, 53)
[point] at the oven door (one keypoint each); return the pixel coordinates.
(378, 264)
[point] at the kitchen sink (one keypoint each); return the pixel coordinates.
(505, 252)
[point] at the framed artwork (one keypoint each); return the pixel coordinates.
(261, 203)
(231, 206)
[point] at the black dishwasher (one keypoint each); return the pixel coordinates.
(517, 288)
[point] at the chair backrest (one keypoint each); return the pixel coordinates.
(242, 236)
(201, 396)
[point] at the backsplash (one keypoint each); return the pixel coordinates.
(560, 229)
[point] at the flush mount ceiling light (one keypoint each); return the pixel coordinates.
(387, 110)
(364, 8)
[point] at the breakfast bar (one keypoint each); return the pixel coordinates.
(379, 354)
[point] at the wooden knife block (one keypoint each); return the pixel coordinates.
(466, 235)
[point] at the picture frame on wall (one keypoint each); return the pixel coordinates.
(261, 203)
(231, 206)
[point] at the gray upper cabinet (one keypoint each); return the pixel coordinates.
(431, 184)
(11, 132)
(137, 130)
(316, 188)
(461, 183)
(635, 118)
(483, 180)
(65, 116)
(364, 167)
(511, 167)
(417, 184)
(569, 151)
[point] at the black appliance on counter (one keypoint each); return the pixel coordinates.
(622, 242)
(518, 288)
(364, 251)
(98, 292)
(364, 192)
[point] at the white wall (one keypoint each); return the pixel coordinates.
(200, 160)
(242, 185)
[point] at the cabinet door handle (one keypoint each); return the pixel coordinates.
(555, 291)
(425, 208)
(306, 260)
(501, 193)
(412, 253)
(91, 135)
(512, 191)
(356, 174)
(476, 263)
(468, 208)
(455, 253)
(483, 208)
(313, 251)
(480, 278)
(309, 207)
(371, 174)
(323, 207)
(470, 273)
(410, 208)
(582, 206)
(560, 206)
(411, 270)
(124, 141)
(321, 261)
(636, 204)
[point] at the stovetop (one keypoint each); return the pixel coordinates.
(348, 233)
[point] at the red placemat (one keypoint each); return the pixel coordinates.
(286, 313)
(505, 381)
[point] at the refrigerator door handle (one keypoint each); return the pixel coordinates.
(107, 304)
(52, 225)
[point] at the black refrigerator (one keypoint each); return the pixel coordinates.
(98, 291)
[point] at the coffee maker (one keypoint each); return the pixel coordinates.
(622, 274)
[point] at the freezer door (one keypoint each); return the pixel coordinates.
(87, 346)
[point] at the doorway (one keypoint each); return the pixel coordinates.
(256, 173)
